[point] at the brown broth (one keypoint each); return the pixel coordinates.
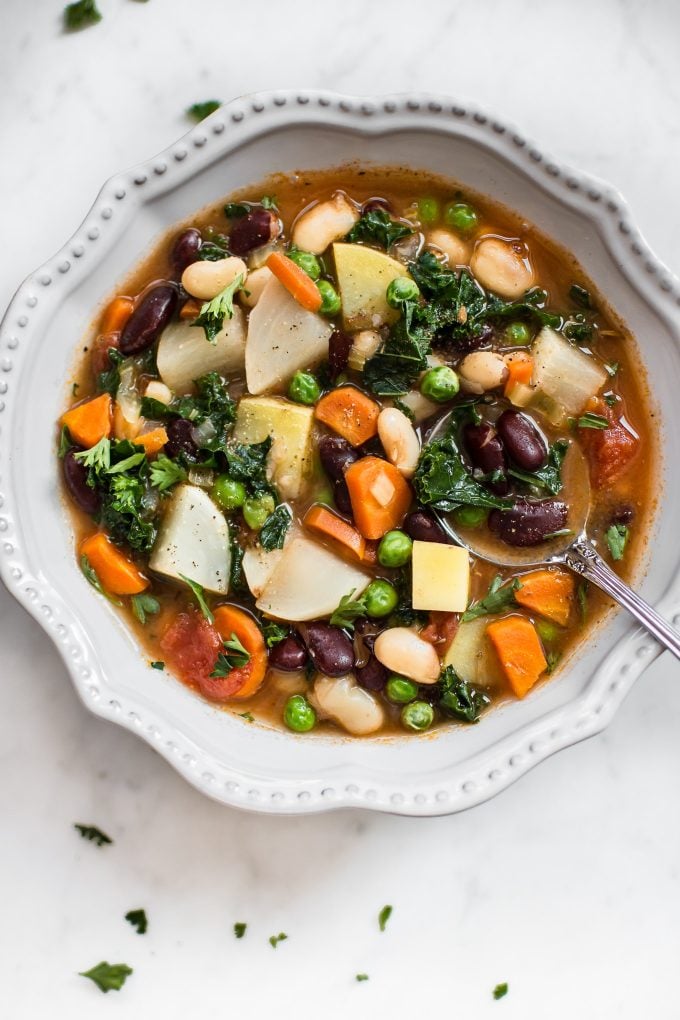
(555, 271)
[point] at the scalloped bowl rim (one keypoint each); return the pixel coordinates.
(478, 778)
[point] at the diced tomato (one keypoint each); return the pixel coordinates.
(441, 630)
(609, 451)
(190, 646)
(220, 688)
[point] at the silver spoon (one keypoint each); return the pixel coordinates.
(574, 549)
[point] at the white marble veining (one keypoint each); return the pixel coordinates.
(567, 885)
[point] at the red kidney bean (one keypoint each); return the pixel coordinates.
(289, 655)
(75, 476)
(180, 439)
(373, 676)
(336, 456)
(257, 227)
(623, 514)
(185, 249)
(528, 523)
(421, 526)
(150, 316)
(339, 346)
(329, 648)
(522, 440)
(342, 500)
(375, 203)
(485, 450)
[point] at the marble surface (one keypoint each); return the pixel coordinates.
(567, 885)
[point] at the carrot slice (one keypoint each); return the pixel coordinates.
(191, 309)
(153, 442)
(324, 522)
(296, 281)
(242, 681)
(380, 496)
(89, 422)
(548, 592)
(519, 651)
(116, 314)
(350, 413)
(520, 370)
(117, 573)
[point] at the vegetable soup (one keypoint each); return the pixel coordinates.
(278, 408)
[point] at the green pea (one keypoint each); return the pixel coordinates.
(298, 714)
(417, 716)
(470, 516)
(547, 631)
(256, 510)
(307, 262)
(330, 299)
(428, 211)
(304, 388)
(401, 289)
(462, 217)
(395, 549)
(229, 493)
(380, 599)
(439, 384)
(400, 689)
(518, 334)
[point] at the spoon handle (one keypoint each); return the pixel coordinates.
(588, 564)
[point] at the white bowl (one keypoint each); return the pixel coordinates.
(248, 765)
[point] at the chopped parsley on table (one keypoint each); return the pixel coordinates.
(384, 916)
(138, 920)
(92, 833)
(199, 111)
(275, 939)
(108, 976)
(240, 929)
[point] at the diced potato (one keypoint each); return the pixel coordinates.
(282, 338)
(184, 354)
(472, 655)
(193, 540)
(308, 582)
(364, 275)
(441, 577)
(290, 426)
(258, 566)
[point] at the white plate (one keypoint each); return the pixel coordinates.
(248, 765)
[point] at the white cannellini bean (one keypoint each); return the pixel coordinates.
(501, 268)
(157, 390)
(341, 699)
(257, 281)
(402, 651)
(452, 245)
(324, 223)
(364, 345)
(204, 280)
(482, 371)
(399, 440)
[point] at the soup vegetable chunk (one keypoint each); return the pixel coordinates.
(271, 417)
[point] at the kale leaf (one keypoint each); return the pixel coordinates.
(550, 476)
(211, 403)
(459, 698)
(377, 227)
(273, 531)
(109, 380)
(248, 464)
(443, 481)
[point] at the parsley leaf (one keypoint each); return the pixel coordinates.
(592, 421)
(348, 611)
(81, 14)
(157, 665)
(108, 976)
(617, 536)
(248, 716)
(459, 698)
(384, 916)
(65, 442)
(97, 457)
(500, 990)
(92, 833)
(498, 598)
(165, 473)
(552, 657)
(377, 227)
(199, 595)
(235, 210)
(144, 605)
(138, 920)
(362, 977)
(582, 599)
(275, 632)
(236, 657)
(268, 202)
(213, 313)
(580, 296)
(273, 531)
(550, 475)
(199, 111)
(134, 460)
(612, 368)
(275, 939)
(240, 929)
(91, 576)
(442, 480)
